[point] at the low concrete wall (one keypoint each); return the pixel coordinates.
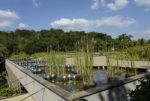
(101, 61)
(12, 79)
(120, 93)
(98, 61)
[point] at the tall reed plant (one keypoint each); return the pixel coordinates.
(83, 60)
(56, 63)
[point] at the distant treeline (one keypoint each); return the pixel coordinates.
(30, 41)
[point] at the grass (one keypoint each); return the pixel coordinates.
(20, 55)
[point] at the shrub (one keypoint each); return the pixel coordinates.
(8, 91)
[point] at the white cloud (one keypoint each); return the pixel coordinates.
(141, 34)
(145, 3)
(72, 24)
(147, 32)
(97, 3)
(7, 19)
(115, 21)
(88, 25)
(23, 26)
(36, 3)
(113, 6)
(117, 5)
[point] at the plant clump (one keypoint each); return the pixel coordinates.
(83, 60)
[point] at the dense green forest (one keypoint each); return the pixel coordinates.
(30, 41)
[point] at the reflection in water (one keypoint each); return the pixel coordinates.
(99, 77)
(71, 86)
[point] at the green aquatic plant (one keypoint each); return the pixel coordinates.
(60, 63)
(133, 58)
(110, 69)
(121, 62)
(56, 63)
(83, 60)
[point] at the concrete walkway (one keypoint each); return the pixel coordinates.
(101, 61)
(19, 98)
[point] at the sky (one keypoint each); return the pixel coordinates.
(113, 17)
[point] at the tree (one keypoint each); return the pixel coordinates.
(141, 41)
(124, 41)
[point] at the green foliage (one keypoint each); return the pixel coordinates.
(3, 50)
(123, 41)
(137, 53)
(40, 54)
(83, 60)
(116, 60)
(56, 62)
(142, 91)
(20, 55)
(8, 91)
(4, 90)
(113, 70)
(143, 52)
(30, 42)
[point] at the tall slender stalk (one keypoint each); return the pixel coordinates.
(83, 60)
(56, 63)
(110, 69)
